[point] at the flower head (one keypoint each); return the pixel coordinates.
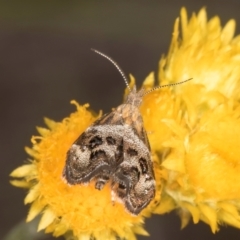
(199, 122)
(83, 210)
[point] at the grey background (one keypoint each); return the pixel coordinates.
(45, 61)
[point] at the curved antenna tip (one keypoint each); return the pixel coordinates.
(115, 64)
(167, 85)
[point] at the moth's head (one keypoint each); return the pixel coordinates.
(134, 97)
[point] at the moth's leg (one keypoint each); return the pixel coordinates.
(102, 179)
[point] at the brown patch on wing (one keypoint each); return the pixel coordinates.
(132, 117)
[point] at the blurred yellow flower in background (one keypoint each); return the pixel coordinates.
(196, 127)
(194, 134)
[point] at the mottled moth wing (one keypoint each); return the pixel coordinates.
(94, 155)
(133, 182)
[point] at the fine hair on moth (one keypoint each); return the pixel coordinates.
(115, 149)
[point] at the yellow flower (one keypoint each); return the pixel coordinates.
(81, 211)
(194, 134)
(196, 126)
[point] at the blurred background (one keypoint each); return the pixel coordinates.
(45, 61)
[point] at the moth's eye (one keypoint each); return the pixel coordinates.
(143, 165)
(111, 141)
(132, 152)
(97, 155)
(95, 141)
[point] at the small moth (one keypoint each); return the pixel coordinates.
(115, 149)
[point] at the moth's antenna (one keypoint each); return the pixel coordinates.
(116, 65)
(167, 85)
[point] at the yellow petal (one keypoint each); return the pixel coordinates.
(35, 209)
(185, 217)
(230, 208)
(58, 230)
(47, 218)
(228, 31)
(23, 171)
(167, 204)
(210, 214)
(43, 131)
(175, 128)
(184, 22)
(140, 230)
(194, 210)
(202, 18)
(32, 195)
(149, 81)
(174, 164)
(50, 123)
(31, 152)
(84, 237)
(229, 219)
(20, 183)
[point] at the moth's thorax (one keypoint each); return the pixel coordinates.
(129, 111)
(135, 98)
(131, 116)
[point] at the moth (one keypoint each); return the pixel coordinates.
(115, 149)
